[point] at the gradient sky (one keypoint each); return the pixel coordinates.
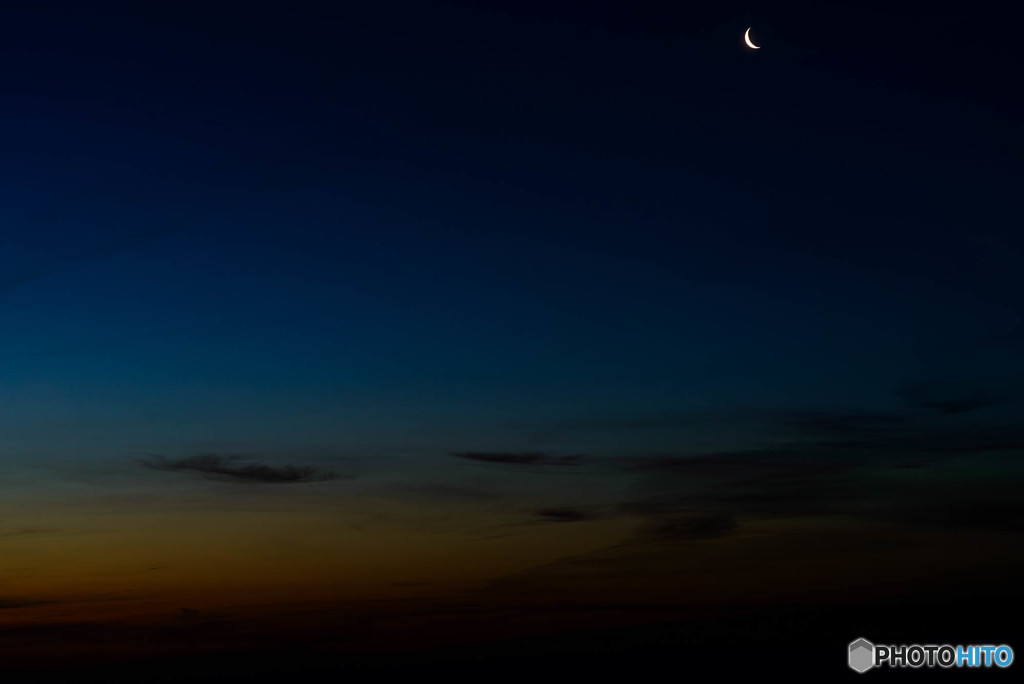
(429, 305)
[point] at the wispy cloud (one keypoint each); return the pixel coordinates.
(228, 468)
(847, 463)
(33, 532)
(10, 604)
(564, 514)
(949, 398)
(526, 459)
(840, 422)
(689, 527)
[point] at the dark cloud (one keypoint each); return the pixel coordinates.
(665, 420)
(842, 422)
(564, 514)
(832, 421)
(872, 489)
(884, 466)
(226, 468)
(1000, 516)
(816, 493)
(816, 439)
(951, 406)
(9, 604)
(453, 492)
(724, 463)
(527, 458)
(917, 440)
(687, 528)
(33, 532)
(949, 398)
(862, 465)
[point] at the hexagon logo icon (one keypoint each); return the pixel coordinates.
(862, 655)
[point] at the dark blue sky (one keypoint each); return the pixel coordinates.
(437, 221)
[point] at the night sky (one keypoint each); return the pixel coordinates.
(340, 332)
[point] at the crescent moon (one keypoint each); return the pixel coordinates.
(746, 39)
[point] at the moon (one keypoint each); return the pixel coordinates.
(750, 43)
